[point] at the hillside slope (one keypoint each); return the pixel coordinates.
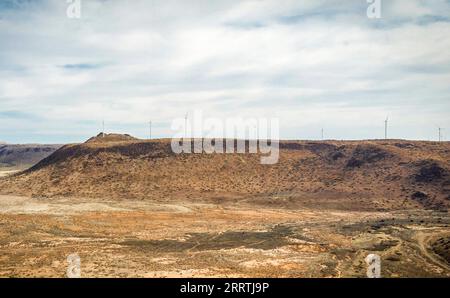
(362, 175)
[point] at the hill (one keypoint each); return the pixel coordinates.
(23, 156)
(360, 175)
(111, 137)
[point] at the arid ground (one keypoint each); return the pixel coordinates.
(142, 239)
(132, 209)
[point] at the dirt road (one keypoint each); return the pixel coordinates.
(424, 241)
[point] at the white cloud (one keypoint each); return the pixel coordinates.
(128, 62)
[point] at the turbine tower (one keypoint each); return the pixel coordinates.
(150, 129)
(322, 134)
(103, 128)
(185, 125)
(386, 128)
(440, 129)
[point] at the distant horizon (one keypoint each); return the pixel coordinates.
(2, 142)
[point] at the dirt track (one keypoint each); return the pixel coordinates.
(424, 242)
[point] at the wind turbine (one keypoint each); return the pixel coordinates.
(440, 129)
(150, 128)
(386, 127)
(185, 125)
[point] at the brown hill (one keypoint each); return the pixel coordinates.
(362, 175)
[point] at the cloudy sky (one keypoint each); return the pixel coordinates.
(313, 64)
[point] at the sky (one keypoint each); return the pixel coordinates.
(319, 64)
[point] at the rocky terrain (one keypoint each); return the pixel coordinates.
(133, 208)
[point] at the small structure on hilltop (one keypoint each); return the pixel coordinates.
(111, 137)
